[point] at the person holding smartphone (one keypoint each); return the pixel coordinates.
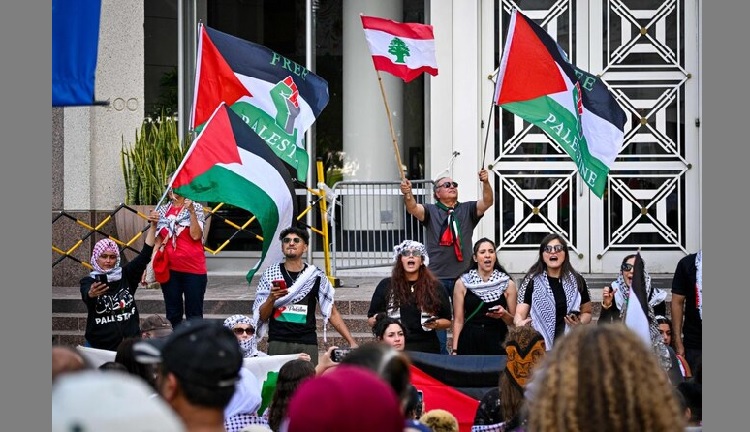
(484, 303)
(287, 297)
(109, 290)
(553, 297)
(415, 296)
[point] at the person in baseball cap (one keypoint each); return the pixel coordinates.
(198, 367)
(155, 326)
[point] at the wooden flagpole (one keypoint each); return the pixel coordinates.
(390, 123)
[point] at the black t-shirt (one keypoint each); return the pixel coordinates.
(410, 315)
(295, 322)
(561, 305)
(684, 284)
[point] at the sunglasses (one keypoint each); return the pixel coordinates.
(626, 267)
(288, 240)
(554, 249)
(411, 252)
(446, 185)
(239, 330)
(103, 256)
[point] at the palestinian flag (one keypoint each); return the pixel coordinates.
(405, 50)
(228, 162)
(455, 383)
(576, 109)
(277, 97)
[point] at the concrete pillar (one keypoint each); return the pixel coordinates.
(368, 145)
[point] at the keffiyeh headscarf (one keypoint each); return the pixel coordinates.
(411, 244)
(249, 347)
(655, 295)
(115, 273)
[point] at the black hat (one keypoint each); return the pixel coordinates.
(199, 351)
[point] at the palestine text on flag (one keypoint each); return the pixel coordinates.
(576, 109)
(277, 97)
(228, 162)
(404, 50)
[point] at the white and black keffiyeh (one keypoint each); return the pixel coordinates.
(411, 244)
(174, 224)
(543, 313)
(300, 288)
(657, 341)
(489, 291)
(655, 295)
(699, 282)
(249, 347)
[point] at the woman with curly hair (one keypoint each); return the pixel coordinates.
(602, 378)
(413, 295)
(291, 375)
(553, 296)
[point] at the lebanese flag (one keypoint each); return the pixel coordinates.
(279, 98)
(228, 162)
(404, 50)
(575, 108)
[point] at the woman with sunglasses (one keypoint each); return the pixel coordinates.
(553, 296)
(109, 290)
(413, 295)
(484, 302)
(613, 296)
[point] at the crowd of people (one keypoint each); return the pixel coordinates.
(560, 373)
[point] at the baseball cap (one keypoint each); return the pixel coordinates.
(199, 351)
(97, 401)
(156, 323)
(334, 403)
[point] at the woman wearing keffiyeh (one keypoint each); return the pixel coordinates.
(553, 296)
(112, 313)
(484, 302)
(613, 298)
(180, 238)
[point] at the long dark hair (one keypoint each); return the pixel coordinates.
(291, 375)
(567, 268)
(425, 293)
(473, 265)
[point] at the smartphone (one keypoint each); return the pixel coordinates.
(279, 284)
(339, 353)
(420, 404)
(101, 278)
(429, 320)
(495, 308)
(573, 313)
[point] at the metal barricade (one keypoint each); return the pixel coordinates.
(370, 218)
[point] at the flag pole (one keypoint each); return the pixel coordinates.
(487, 133)
(390, 123)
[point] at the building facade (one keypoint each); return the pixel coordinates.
(647, 51)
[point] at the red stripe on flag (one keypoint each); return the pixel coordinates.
(531, 72)
(438, 395)
(214, 145)
(215, 82)
(402, 71)
(405, 30)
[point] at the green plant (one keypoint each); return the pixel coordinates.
(151, 159)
